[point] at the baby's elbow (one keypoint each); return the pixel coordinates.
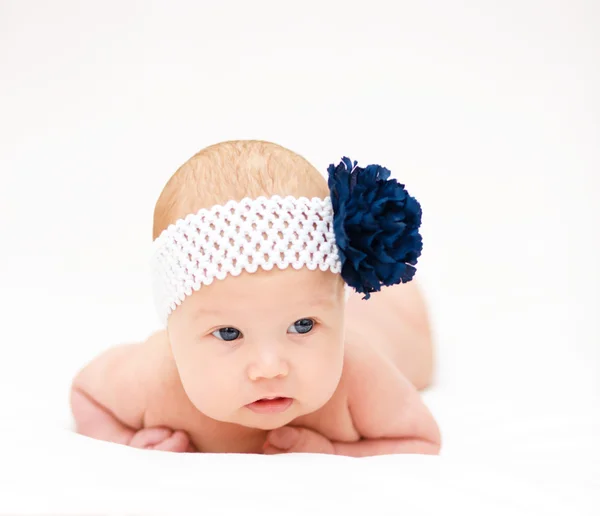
(434, 437)
(427, 430)
(429, 448)
(434, 447)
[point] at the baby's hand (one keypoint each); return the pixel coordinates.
(164, 439)
(290, 439)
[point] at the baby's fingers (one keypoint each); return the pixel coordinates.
(149, 437)
(178, 442)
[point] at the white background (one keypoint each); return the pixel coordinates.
(489, 112)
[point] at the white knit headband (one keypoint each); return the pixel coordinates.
(262, 232)
(367, 230)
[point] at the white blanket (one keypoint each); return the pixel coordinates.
(529, 467)
(517, 440)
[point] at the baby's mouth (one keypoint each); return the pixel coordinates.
(270, 405)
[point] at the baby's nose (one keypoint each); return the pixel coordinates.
(268, 365)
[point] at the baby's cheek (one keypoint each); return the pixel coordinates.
(210, 393)
(324, 377)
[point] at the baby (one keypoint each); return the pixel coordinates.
(291, 322)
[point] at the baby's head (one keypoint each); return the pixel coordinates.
(246, 336)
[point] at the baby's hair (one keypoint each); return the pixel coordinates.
(231, 171)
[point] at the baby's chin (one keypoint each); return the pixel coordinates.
(266, 425)
(267, 421)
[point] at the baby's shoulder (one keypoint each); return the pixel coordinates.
(361, 361)
(335, 420)
(165, 390)
(383, 402)
(125, 377)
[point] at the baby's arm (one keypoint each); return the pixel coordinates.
(109, 396)
(386, 410)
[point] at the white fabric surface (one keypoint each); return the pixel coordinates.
(99, 478)
(517, 439)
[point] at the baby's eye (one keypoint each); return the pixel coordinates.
(302, 326)
(227, 334)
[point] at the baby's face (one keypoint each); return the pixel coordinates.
(277, 333)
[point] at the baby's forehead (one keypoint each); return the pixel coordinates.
(282, 289)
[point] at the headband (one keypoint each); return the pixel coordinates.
(367, 230)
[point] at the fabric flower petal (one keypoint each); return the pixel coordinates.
(376, 224)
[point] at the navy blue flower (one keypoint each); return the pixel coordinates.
(376, 224)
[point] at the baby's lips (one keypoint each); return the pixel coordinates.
(269, 397)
